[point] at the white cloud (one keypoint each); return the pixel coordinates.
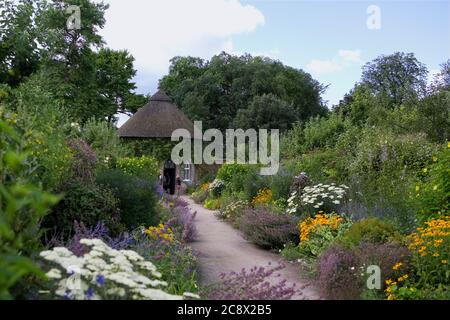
(323, 66)
(350, 55)
(154, 31)
(344, 58)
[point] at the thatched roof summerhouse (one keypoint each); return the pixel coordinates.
(157, 119)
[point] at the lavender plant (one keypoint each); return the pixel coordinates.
(258, 283)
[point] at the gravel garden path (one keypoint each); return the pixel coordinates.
(223, 249)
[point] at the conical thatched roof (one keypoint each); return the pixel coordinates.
(158, 119)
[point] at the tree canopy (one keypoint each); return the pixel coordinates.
(399, 77)
(70, 64)
(221, 91)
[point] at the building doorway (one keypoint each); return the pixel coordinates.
(169, 176)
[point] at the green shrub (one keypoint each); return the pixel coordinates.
(232, 211)
(290, 252)
(22, 206)
(216, 188)
(45, 131)
(200, 196)
(143, 167)
(87, 203)
(84, 161)
(371, 230)
(383, 170)
(432, 193)
(323, 132)
(212, 204)
(280, 184)
(322, 165)
(103, 138)
(238, 176)
(137, 199)
(318, 233)
(268, 230)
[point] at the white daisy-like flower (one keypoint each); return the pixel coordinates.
(54, 274)
(191, 295)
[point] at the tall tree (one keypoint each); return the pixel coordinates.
(265, 112)
(441, 80)
(19, 55)
(68, 58)
(214, 91)
(399, 77)
(114, 80)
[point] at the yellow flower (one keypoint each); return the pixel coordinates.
(264, 196)
(402, 278)
(444, 261)
(397, 266)
(425, 170)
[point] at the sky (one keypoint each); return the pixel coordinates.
(330, 39)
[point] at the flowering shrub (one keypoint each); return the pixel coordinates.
(255, 284)
(104, 273)
(144, 167)
(22, 206)
(263, 197)
(233, 212)
(342, 272)
(319, 197)
(318, 232)
(216, 187)
(161, 232)
(175, 258)
(212, 204)
(371, 230)
(431, 196)
(430, 246)
(205, 186)
(200, 196)
(99, 231)
(185, 222)
(268, 230)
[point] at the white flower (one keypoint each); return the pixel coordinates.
(191, 295)
(155, 294)
(336, 202)
(116, 292)
(54, 274)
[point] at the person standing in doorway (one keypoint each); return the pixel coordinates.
(166, 182)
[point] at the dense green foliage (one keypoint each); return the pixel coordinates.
(38, 47)
(220, 92)
(22, 207)
(137, 200)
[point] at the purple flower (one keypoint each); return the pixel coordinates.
(258, 283)
(100, 280)
(89, 293)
